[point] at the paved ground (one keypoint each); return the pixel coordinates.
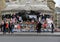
(29, 39)
(31, 34)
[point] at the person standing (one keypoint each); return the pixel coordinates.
(11, 26)
(38, 27)
(4, 27)
(52, 25)
(7, 26)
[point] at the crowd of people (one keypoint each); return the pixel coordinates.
(43, 23)
(7, 25)
(15, 22)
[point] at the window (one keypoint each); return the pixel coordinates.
(7, 0)
(13, 0)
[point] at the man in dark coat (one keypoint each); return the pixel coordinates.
(39, 26)
(52, 28)
(4, 28)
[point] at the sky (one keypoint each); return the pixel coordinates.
(57, 3)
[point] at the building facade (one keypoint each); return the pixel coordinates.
(57, 11)
(2, 6)
(41, 6)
